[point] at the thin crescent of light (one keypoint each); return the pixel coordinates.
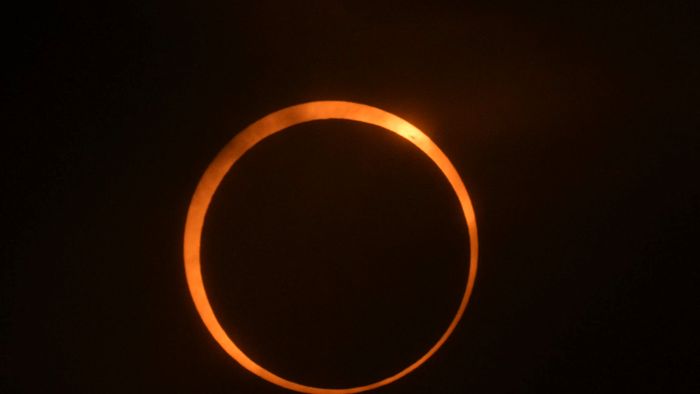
(238, 146)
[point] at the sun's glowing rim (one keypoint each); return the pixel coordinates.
(245, 140)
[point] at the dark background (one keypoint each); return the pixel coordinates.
(335, 253)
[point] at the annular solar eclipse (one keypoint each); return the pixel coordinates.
(247, 139)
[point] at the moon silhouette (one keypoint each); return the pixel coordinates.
(244, 141)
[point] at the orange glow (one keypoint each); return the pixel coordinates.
(239, 145)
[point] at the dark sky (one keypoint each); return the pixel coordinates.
(335, 252)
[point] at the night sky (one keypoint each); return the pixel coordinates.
(335, 253)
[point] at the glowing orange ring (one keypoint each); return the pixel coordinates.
(239, 145)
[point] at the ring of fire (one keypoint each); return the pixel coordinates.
(244, 141)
